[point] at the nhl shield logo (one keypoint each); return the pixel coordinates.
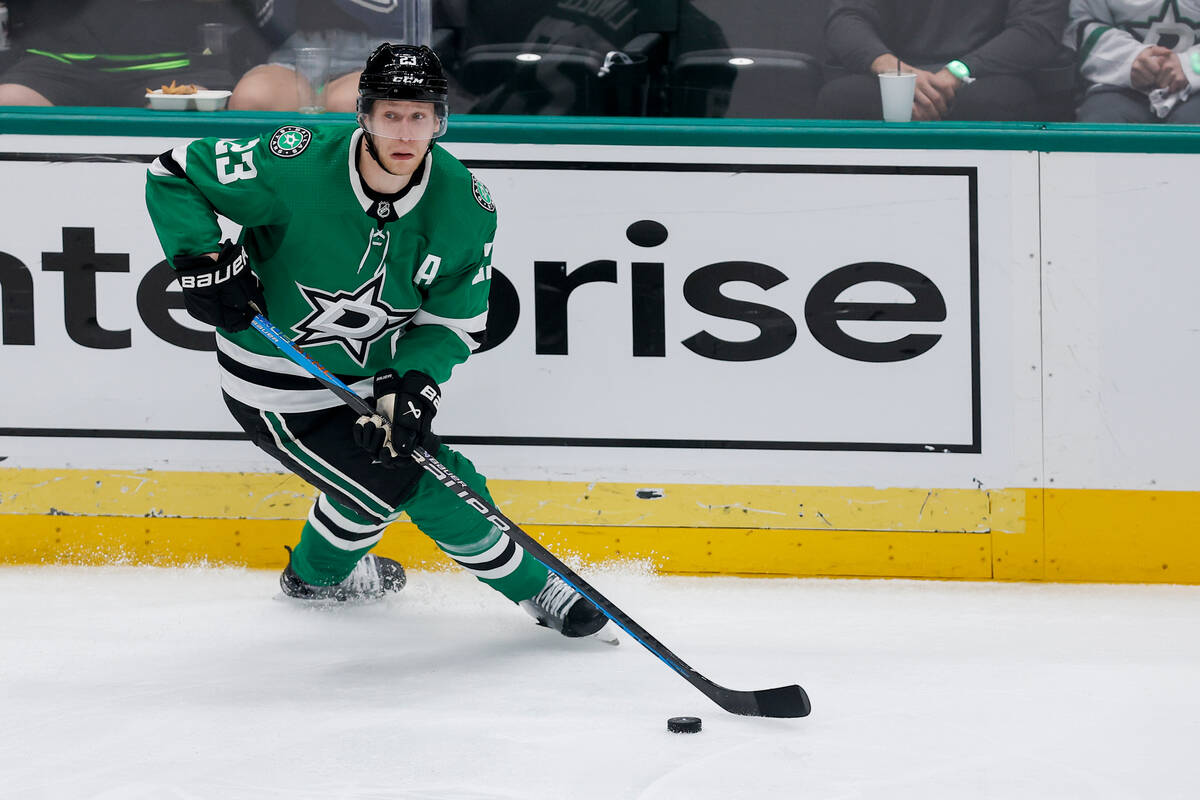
(290, 141)
(482, 195)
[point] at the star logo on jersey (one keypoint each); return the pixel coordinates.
(1166, 29)
(482, 195)
(355, 320)
(290, 141)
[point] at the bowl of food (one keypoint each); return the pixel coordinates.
(211, 100)
(187, 97)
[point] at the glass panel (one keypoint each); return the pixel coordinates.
(758, 59)
(198, 54)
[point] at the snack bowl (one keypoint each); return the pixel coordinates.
(201, 100)
(169, 102)
(213, 100)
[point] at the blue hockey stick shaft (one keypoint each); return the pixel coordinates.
(783, 701)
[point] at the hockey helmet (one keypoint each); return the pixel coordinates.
(402, 72)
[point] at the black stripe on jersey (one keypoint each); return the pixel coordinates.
(274, 380)
(339, 532)
(495, 563)
(172, 166)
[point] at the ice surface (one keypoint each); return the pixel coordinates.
(166, 684)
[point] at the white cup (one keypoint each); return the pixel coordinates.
(896, 90)
(312, 73)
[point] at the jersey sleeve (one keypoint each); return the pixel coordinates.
(451, 322)
(1028, 41)
(852, 32)
(188, 186)
(1103, 51)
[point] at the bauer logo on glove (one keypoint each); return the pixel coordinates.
(203, 279)
(223, 292)
(404, 409)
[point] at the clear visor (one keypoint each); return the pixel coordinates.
(406, 120)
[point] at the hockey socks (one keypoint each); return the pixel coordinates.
(333, 540)
(335, 537)
(501, 563)
(466, 536)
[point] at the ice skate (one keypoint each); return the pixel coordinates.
(560, 607)
(372, 578)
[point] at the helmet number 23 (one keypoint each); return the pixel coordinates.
(235, 162)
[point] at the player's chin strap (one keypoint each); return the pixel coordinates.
(370, 141)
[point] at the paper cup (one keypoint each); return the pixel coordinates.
(896, 91)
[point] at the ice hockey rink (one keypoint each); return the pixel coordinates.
(133, 682)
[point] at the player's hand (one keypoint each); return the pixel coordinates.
(219, 288)
(404, 409)
(1170, 75)
(1143, 75)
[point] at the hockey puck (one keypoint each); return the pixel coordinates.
(683, 724)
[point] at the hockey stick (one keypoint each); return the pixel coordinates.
(783, 701)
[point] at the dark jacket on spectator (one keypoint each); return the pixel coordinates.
(992, 37)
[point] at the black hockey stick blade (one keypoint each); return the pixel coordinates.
(784, 701)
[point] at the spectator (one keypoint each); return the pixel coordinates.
(1139, 65)
(110, 51)
(565, 56)
(572, 39)
(350, 30)
(972, 59)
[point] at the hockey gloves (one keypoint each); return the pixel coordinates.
(404, 409)
(220, 292)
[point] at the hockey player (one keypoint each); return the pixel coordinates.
(374, 245)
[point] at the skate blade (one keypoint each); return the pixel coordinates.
(329, 602)
(607, 635)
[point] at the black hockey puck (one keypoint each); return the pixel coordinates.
(683, 724)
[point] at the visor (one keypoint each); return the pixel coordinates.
(407, 120)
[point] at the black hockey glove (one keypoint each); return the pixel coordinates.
(220, 292)
(404, 409)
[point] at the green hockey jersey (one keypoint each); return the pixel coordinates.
(364, 281)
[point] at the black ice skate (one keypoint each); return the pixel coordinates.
(372, 578)
(560, 607)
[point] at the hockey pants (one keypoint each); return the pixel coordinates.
(360, 498)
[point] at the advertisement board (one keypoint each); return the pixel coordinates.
(706, 309)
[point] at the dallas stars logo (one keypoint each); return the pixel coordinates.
(355, 320)
(290, 141)
(1168, 29)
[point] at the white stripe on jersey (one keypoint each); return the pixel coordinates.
(290, 401)
(287, 401)
(279, 364)
(463, 328)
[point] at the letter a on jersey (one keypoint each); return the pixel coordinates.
(354, 319)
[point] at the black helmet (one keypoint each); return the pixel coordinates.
(402, 72)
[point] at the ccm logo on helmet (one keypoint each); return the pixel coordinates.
(213, 278)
